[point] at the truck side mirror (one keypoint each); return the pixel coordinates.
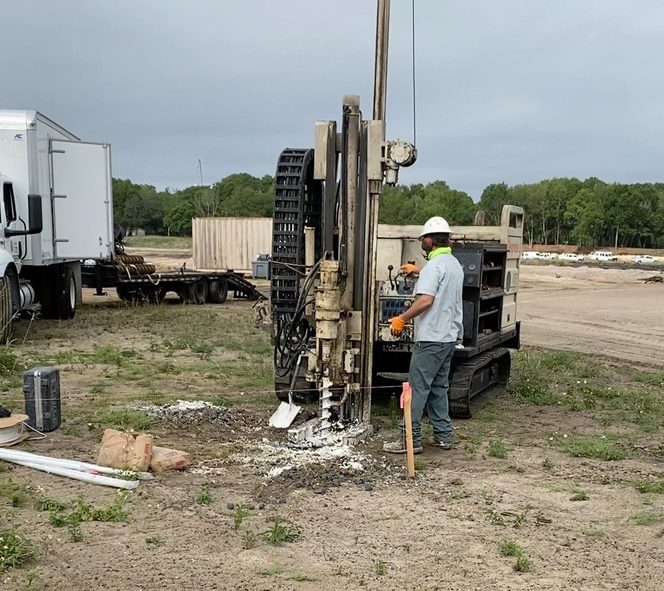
(35, 222)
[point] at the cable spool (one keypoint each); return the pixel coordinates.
(12, 429)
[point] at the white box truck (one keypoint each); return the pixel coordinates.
(56, 210)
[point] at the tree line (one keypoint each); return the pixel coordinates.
(557, 211)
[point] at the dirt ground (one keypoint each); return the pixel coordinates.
(608, 312)
(356, 521)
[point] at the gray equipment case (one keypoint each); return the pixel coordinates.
(41, 387)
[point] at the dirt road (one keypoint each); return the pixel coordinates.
(603, 311)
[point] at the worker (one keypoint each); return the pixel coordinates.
(437, 312)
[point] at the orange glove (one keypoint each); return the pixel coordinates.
(409, 268)
(397, 325)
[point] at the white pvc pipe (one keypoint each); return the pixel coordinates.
(76, 475)
(9, 454)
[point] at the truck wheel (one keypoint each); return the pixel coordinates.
(66, 293)
(218, 291)
(6, 313)
(198, 292)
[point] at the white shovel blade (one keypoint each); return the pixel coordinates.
(284, 415)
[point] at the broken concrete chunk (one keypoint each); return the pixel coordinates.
(164, 458)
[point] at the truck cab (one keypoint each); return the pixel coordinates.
(56, 210)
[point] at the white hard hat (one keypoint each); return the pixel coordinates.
(435, 225)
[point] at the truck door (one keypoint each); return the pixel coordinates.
(82, 198)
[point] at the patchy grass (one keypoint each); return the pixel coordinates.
(15, 493)
(593, 532)
(601, 447)
(274, 569)
(648, 518)
(81, 511)
(649, 486)
(614, 393)
(125, 420)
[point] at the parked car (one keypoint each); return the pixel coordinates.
(529, 255)
(644, 259)
(546, 256)
(603, 255)
(571, 257)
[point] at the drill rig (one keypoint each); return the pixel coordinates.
(332, 288)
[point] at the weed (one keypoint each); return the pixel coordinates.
(380, 567)
(579, 495)
(495, 518)
(593, 532)
(239, 514)
(520, 519)
(154, 540)
(280, 532)
(8, 361)
(49, 505)
(15, 549)
(75, 532)
(301, 578)
(649, 486)
(510, 548)
(522, 563)
(204, 497)
(517, 469)
(648, 517)
(547, 464)
(600, 447)
(461, 494)
(497, 449)
(275, 569)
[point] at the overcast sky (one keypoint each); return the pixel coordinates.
(507, 90)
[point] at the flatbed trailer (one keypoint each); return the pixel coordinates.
(139, 282)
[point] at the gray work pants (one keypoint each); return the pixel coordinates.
(429, 380)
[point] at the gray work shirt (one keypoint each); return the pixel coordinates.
(442, 278)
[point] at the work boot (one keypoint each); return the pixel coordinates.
(399, 447)
(443, 443)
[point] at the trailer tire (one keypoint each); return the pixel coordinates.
(6, 311)
(198, 292)
(218, 291)
(66, 302)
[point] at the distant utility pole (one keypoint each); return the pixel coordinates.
(199, 166)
